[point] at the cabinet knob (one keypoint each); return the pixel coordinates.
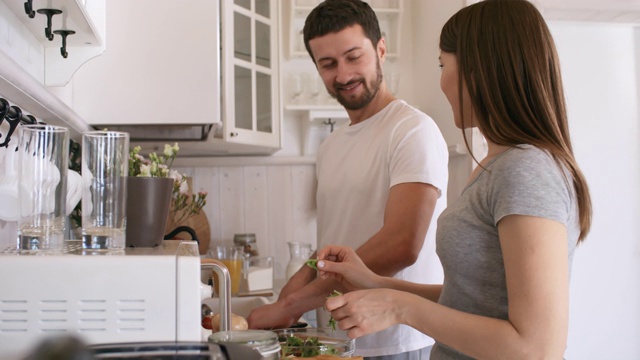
(233, 134)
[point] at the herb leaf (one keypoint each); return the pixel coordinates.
(312, 263)
(332, 322)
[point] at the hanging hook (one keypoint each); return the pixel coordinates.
(49, 13)
(4, 110)
(29, 120)
(13, 125)
(28, 9)
(330, 123)
(64, 34)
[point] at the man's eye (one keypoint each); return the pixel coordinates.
(440, 66)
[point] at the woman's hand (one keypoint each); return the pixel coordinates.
(343, 264)
(367, 311)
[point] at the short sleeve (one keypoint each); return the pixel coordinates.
(529, 182)
(418, 153)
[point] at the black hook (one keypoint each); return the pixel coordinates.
(28, 9)
(331, 123)
(29, 120)
(13, 125)
(49, 13)
(64, 34)
(4, 111)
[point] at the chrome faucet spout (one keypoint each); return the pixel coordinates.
(224, 290)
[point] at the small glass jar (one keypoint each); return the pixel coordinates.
(248, 241)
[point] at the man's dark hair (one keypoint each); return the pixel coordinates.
(335, 15)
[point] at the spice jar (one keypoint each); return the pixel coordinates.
(248, 241)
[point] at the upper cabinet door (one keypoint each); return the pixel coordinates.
(250, 76)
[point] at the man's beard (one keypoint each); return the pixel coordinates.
(366, 98)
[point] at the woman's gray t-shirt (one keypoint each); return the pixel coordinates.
(524, 180)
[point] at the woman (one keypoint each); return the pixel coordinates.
(507, 243)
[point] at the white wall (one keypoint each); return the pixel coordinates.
(600, 72)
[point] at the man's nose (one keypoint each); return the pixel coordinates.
(344, 73)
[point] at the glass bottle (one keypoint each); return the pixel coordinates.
(300, 253)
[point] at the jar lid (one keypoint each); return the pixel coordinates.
(244, 239)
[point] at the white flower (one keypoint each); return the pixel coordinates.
(154, 167)
(184, 186)
(145, 170)
(168, 150)
(176, 176)
(176, 148)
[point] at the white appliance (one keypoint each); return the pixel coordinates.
(126, 296)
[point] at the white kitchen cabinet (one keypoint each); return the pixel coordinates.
(201, 72)
(23, 38)
(252, 109)
(389, 14)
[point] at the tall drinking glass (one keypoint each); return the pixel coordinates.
(43, 155)
(105, 167)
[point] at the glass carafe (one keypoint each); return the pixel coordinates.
(300, 253)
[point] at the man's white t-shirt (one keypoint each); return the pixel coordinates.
(356, 167)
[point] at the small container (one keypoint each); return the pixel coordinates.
(315, 341)
(248, 241)
(263, 341)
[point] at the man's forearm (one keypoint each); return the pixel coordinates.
(311, 296)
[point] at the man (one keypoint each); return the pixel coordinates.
(381, 180)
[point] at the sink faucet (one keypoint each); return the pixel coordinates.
(224, 290)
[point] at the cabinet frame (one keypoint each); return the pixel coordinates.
(389, 14)
(231, 132)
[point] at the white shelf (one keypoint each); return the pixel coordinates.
(389, 14)
(42, 58)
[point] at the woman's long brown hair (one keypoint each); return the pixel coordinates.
(507, 57)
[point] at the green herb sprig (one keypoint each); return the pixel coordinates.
(332, 322)
(312, 263)
(309, 347)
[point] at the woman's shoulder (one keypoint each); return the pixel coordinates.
(526, 156)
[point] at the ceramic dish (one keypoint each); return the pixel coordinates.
(308, 342)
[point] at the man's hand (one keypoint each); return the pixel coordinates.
(271, 316)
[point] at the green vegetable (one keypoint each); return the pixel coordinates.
(312, 263)
(332, 321)
(309, 347)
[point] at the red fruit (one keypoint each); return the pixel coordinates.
(206, 322)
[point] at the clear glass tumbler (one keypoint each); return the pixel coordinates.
(43, 155)
(105, 167)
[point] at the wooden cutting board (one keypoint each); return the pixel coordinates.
(200, 224)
